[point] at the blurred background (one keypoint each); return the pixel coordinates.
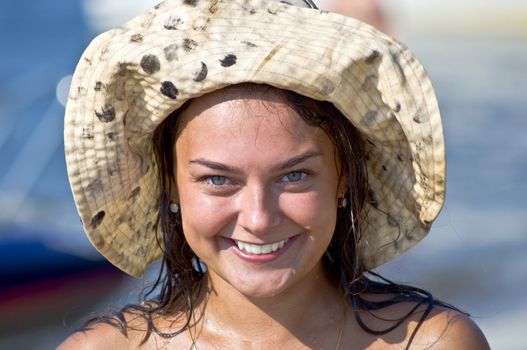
(476, 54)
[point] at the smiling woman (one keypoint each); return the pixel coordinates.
(269, 189)
(285, 195)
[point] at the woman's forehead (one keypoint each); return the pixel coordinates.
(237, 106)
(231, 96)
(245, 124)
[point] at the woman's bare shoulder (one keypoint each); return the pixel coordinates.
(443, 328)
(449, 329)
(100, 336)
(108, 336)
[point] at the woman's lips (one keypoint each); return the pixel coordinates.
(261, 253)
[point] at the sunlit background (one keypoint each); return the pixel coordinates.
(475, 256)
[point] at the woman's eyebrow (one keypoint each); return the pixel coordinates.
(216, 166)
(297, 160)
(234, 170)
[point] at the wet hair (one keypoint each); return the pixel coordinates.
(178, 285)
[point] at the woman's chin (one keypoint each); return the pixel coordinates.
(265, 285)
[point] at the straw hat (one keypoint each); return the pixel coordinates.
(130, 78)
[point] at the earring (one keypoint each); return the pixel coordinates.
(174, 208)
(198, 265)
(343, 202)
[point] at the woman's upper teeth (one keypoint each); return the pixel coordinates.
(261, 248)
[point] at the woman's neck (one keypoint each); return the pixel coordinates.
(307, 308)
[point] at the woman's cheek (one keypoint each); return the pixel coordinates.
(311, 209)
(205, 216)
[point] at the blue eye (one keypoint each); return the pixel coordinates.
(217, 180)
(294, 176)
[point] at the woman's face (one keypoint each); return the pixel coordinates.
(257, 188)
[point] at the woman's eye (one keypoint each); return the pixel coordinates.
(294, 176)
(217, 180)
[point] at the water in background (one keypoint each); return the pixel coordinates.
(475, 255)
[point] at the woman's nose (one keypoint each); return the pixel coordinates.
(258, 210)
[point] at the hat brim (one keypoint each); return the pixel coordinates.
(129, 79)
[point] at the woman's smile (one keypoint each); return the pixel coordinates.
(261, 253)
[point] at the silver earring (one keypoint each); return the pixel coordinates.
(198, 265)
(174, 208)
(343, 202)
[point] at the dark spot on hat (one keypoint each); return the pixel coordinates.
(384, 168)
(249, 44)
(397, 108)
(371, 117)
(189, 44)
(395, 60)
(371, 199)
(373, 56)
(171, 52)
(214, 7)
(201, 23)
(399, 158)
(202, 73)
(251, 10)
(97, 219)
(141, 251)
(173, 23)
(420, 117)
(327, 87)
(81, 91)
(190, 2)
(392, 221)
(111, 135)
(272, 10)
(229, 60)
(98, 86)
(104, 52)
(107, 114)
(150, 64)
(87, 134)
(134, 194)
(169, 89)
(95, 188)
(136, 38)
(371, 143)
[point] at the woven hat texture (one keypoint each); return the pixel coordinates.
(130, 78)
